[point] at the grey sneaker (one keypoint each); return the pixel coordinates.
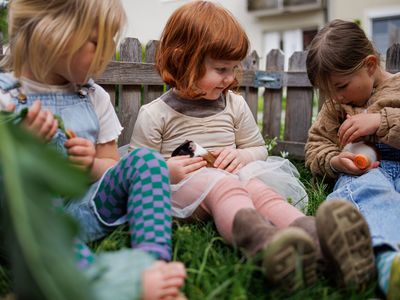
(289, 260)
(346, 243)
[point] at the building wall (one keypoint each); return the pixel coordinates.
(146, 18)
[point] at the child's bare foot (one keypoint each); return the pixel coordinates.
(163, 281)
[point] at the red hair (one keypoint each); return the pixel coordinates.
(194, 31)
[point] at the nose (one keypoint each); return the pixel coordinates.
(229, 77)
(340, 98)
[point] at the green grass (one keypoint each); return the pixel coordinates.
(218, 271)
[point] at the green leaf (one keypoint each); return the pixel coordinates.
(38, 235)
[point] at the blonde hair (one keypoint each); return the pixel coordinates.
(340, 47)
(194, 31)
(43, 31)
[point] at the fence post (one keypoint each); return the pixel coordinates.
(129, 101)
(251, 63)
(273, 98)
(299, 103)
(151, 92)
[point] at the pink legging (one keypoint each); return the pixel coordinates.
(229, 196)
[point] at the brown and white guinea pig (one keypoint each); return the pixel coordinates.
(193, 149)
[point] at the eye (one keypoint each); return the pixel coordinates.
(342, 87)
(220, 70)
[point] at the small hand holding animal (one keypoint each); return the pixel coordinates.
(228, 159)
(344, 163)
(183, 165)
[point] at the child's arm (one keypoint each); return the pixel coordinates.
(322, 144)
(97, 158)
(248, 139)
(357, 126)
(147, 131)
(389, 128)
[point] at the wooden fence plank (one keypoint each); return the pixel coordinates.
(250, 93)
(273, 98)
(298, 104)
(129, 103)
(152, 92)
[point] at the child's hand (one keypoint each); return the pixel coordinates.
(358, 126)
(183, 165)
(228, 159)
(40, 122)
(343, 163)
(81, 152)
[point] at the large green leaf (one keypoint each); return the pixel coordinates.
(40, 236)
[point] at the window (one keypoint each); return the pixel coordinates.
(385, 32)
(288, 41)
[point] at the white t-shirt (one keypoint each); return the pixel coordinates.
(110, 127)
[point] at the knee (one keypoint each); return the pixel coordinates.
(227, 187)
(146, 155)
(257, 188)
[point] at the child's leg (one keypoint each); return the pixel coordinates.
(272, 205)
(83, 255)
(138, 186)
(286, 253)
(223, 202)
(346, 243)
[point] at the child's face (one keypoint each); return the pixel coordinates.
(354, 89)
(218, 76)
(79, 65)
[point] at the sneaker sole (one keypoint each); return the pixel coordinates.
(289, 260)
(346, 242)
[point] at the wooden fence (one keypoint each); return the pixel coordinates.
(133, 81)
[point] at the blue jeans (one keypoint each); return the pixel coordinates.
(377, 195)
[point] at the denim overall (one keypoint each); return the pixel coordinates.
(377, 195)
(77, 113)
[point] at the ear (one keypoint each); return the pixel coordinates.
(371, 62)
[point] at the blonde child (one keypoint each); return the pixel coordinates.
(199, 56)
(55, 46)
(362, 103)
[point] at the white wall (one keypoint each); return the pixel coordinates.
(146, 18)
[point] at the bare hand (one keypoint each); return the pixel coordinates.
(40, 122)
(344, 163)
(228, 159)
(181, 166)
(358, 126)
(81, 152)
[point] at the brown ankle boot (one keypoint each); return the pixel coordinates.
(288, 255)
(346, 243)
(309, 225)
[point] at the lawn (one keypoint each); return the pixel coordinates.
(217, 271)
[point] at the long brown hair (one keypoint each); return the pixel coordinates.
(194, 31)
(340, 47)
